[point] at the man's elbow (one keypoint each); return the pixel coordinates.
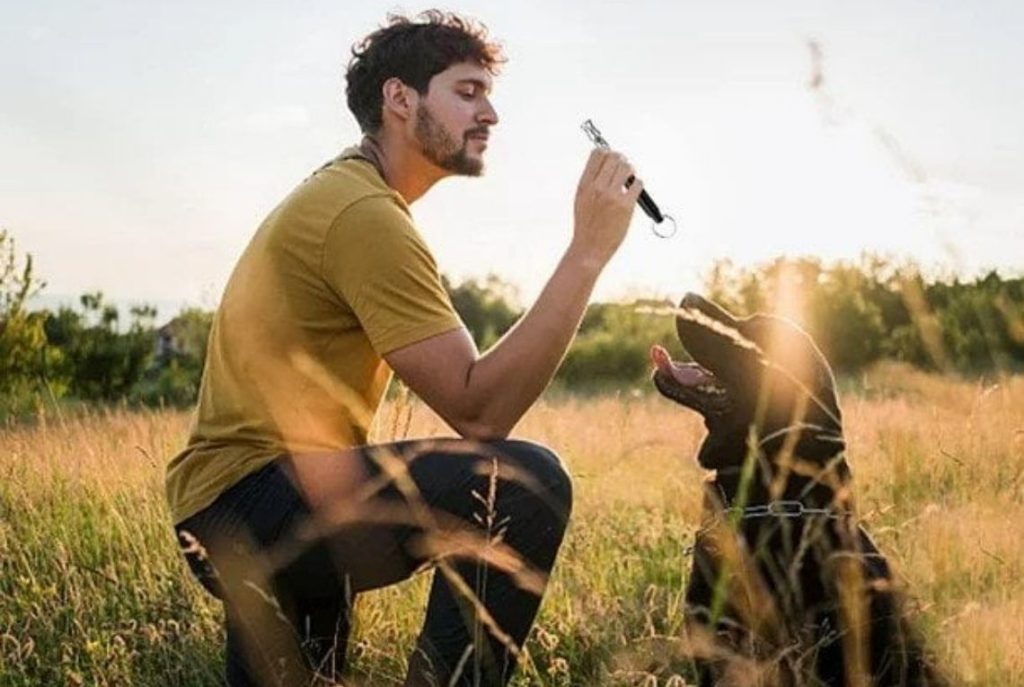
(479, 419)
(481, 429)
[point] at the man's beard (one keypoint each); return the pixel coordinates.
(442, 149)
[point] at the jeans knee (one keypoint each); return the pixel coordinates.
(546, 473)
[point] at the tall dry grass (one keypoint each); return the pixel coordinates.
(94, 592)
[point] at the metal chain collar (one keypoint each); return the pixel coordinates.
(781, 509)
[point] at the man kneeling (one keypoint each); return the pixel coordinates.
(282, 509)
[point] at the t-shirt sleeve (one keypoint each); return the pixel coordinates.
(377, 263)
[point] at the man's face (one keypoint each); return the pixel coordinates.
(453, 119)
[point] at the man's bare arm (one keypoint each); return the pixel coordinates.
(485, 396)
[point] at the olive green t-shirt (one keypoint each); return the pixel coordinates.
(335, 277)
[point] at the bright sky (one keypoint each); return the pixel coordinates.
(142, 143)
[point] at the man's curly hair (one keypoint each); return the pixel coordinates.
(413, 51)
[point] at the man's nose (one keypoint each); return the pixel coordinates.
(488, 114)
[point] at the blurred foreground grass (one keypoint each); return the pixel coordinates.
(94, 592)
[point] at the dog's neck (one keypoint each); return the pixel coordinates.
(814, 475)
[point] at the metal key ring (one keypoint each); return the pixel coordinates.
(668, 234)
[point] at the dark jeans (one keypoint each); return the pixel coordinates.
(491, 515)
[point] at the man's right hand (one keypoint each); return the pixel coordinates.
(604, 206)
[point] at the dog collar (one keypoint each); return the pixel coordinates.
(781, 509)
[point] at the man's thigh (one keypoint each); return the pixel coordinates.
(423, 495)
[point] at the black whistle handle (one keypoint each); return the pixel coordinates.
(647, 204)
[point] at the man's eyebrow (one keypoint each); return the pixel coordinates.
(480, 83)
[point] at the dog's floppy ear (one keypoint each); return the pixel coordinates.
(693, 301)
(705, 327)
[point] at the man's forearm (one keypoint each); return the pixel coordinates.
(485, 396)
(509, 377)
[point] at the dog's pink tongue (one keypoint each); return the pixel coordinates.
(687, 375)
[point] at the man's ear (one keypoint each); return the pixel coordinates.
(399, 99)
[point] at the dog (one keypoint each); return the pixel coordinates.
(786, 587)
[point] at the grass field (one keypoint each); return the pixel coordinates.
(94, 592)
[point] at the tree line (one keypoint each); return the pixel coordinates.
(859, 313)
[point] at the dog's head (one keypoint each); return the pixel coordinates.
(761, 373)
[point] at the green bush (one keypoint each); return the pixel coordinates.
(27, 362)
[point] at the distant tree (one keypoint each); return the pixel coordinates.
(980, 321)
(844, 321)
(101, 362)
(25, 357)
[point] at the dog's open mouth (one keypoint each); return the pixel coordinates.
(689, 384)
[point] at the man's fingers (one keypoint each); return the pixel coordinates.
(621, 176)
(611, 170)
(597, 157)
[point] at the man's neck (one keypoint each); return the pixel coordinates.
(402, 168)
